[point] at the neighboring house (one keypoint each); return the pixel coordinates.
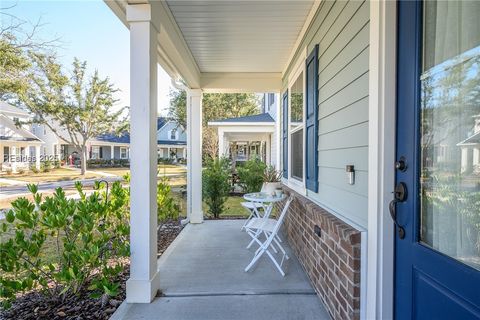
(171, 140)
(54, 148)
(352, 76)
(242, 138)
(19, 148)
(470, 150)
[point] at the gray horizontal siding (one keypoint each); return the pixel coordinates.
(341, 28)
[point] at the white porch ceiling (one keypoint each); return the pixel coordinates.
(240, 36)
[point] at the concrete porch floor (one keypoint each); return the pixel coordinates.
(202, 277)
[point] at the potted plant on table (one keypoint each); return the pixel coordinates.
(271, 180)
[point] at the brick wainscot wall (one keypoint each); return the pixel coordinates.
(331, 260)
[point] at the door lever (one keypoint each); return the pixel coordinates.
(400, 195)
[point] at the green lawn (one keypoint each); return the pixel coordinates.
(163, 169)
(233, 207)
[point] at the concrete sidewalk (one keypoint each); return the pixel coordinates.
(202, 277)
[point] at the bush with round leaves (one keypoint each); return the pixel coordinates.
(61, 246)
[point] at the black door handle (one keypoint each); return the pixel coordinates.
(400, 196)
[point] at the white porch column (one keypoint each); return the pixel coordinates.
(144, 279)
(13, 160)
(221, 144)
(268, 152)
(112, 152)
(37, 157)
(194, 155)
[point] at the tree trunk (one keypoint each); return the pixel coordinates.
(83, 160)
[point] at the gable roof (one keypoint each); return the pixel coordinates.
(161, 121)
(473, 139)
(262, 117)
(112, 137)
(21, 134)
(6, 108)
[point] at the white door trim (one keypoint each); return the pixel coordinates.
(381, 157)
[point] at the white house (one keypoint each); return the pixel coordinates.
(257, 135)
(19, 148)
(358, 81)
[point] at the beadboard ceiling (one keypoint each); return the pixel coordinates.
(240, 36)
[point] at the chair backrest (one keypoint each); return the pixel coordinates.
(280, 220)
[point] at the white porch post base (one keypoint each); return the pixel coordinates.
(143, 283)
(143, 291)
(194, 149)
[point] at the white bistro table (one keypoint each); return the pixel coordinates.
(266, 200)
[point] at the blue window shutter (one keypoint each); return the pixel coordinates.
(285, 134)
(311, 120)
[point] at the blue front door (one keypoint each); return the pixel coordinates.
(437, 206)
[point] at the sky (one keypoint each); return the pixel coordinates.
(90, 31)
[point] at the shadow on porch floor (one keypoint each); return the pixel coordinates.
(202, 277)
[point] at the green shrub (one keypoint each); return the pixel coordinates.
(251, 175)
(215, 179)
(61, 246)
(34, 169)
(167, 208)
(21, 171)
(46, 166)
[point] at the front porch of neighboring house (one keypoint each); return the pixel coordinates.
(326, 62)
(20, 155)
(20, 149)
(243, 138)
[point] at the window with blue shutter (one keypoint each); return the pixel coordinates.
(311, 120)
(285, 134)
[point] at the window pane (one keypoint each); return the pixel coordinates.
(297, 154)
(297, 101)
(296, 128)
(450, 130)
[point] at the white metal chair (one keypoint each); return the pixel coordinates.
(253, 208)
(270, 227)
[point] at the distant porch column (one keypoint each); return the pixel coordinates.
(194, 155)
(13, 158)
(144, 278)
(37, 157)
(221, 144)
(112, 152)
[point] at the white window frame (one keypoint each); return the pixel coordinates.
(124, 149)
(292, 182)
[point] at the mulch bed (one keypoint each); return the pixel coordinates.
(37, 306)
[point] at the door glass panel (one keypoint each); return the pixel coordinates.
(450, 130)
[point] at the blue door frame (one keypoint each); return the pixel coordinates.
(428, 284)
